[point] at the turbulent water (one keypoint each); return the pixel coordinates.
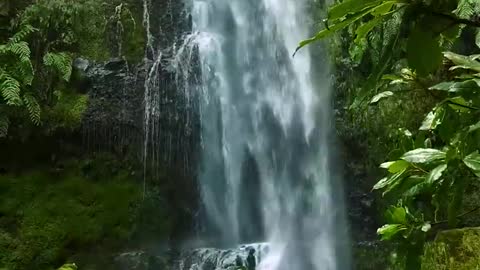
(265, 173)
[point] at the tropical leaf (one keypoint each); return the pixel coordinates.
(433, 119)
(424, 155)
(380, 96)
(454, 87)
(347, 7)
(389, 181)
(473, 162)
(463, 62)
(436, 173)
(395, 166)
(389, 231)
(396, 215)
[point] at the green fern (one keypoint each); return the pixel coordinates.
(4, 124)
(10, 89)
(24, 32)
(20, 49)
(467, 9)
(33, 108)
(60, 62)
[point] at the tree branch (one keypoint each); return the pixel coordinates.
(458, 217)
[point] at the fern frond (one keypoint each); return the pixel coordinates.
(33, 108)
(25, 30)
(21, 49)
(60, 62)
(4, 124)
(25, 72)
(467, 9)
(10, 90)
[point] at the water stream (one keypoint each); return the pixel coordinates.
(265, 171)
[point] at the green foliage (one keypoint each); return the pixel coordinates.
(69, 266)
(60, 63)
(61, 212)
(36, 56)
(436, 97)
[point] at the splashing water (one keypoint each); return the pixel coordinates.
(266, 169)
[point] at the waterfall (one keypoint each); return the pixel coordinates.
(266, 172)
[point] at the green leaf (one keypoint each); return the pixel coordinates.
(462, 61)
(454, 87)
(388, 231)
(380, 96)
(424, 155)
(365, 28)
(473, 162)
(395, 166)
(384, 8)
(70, 266)
(459, 104)
(473, 128)
(350, 7)
(436, 173)
(424, 54)
(433, 119)
(416, 185)
(396, 215)
(389, 181)
(356, 8)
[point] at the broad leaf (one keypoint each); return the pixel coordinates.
(454, 87)
(396, 215)
(433, 119)
(436, 173)
(462, 61)
(424, 54)
(388, 231)
(365, 28)
(388, 181)
(473, 162)
(459, 104)
(418, 185)
(350, 7)
(424, 155)
(473, 128)
(332, 29)
(380, 96)
(395, 166)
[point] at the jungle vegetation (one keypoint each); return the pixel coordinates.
(418, 77)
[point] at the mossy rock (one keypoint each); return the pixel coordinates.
(454, 249)
(61, 215)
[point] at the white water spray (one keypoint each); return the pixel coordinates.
(266, 169)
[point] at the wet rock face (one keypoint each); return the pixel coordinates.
(113, 120)
(241, 257)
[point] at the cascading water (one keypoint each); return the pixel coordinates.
(265, 173)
